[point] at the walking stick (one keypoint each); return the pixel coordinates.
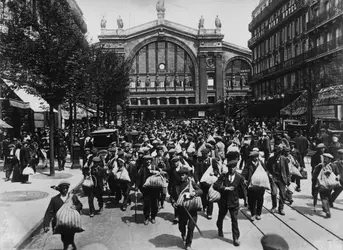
(136, 194)
(190, 217)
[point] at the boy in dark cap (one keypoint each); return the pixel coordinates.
(56, 202)
(229, 185)
(184, 220)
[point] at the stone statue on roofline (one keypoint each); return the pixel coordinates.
(103, 22)
(218, 23)
(160, 6)
(120, 23)
(201, 22)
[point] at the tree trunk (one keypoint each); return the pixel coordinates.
(51, 139)
(71, 126)
(97, 114)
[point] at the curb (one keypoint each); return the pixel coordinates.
(37, 228)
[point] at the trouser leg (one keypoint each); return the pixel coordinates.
(221, 216)
(183, 220)
(260, 200)
(146, 203)
(99, 197)
(191, 226)
(91, 201)
(154, 202)
(9, 170)
(296, 179)
(325, 196)
(282, 193)
(234, 222)
(252, 201)
(125, 190)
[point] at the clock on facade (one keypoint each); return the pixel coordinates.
(162, 66)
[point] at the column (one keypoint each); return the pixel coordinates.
(219, 77)
(202, 79)
(167, 99)
(177, 100)
(186, 100)
(148, 100)
(158, 100)
(139, 101)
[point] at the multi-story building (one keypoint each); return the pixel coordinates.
(178, 70)
(293, 43)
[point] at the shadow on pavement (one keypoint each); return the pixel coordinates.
(210, 234)
(131, 219)
(139, 207)
(309, 210)
(166, 216)
(167, 240)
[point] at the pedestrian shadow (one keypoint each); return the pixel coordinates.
(166, 241)
(302, 196)
(166, 216)
(113, 205)
(137, 219)
(85, 211)
(211, 234)
(309, 210)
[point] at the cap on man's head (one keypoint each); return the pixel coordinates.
(96, 159)
(254, 154)
(286, 149)
(205, 151)
(11, 146)
(320, 146)
(292, 142)
(232, 164)
(87, 149)
(176, 159)
(278, 149)
(330, 156)
(140, 151)
(112, 150)
(274, 242)
(183, 170)
(148, 157)
(63, 183)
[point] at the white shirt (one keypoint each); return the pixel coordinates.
(64, 198)
(231, 178)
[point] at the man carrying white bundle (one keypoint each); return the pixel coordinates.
(56, 202)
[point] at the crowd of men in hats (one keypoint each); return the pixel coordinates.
(181, 152)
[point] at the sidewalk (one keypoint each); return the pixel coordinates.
(22, 206)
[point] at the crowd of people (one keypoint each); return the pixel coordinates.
(203, 162)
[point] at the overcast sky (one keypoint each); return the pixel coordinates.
(235, 15)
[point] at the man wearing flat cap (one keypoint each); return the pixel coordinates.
(274, 242)
(316, 159)
(324, 192)
(335, 146)
(56, 202)
(229, 185)
(255, 195)
(278, 171)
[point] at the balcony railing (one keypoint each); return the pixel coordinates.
(161, 89)
(325, 16)
(326, 47)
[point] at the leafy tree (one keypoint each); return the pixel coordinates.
(42, 48)
(109, 78)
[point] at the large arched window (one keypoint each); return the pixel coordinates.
(162, 64)
(237, 74)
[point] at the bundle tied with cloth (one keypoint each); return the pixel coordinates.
(67, 217)
(260, 178)
(185, 200)
(155, 180)
(327, 179)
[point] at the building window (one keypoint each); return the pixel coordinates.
(182, 100)
(211, 99)
(144, 101)
(172, 100)
(153, 101)
(191, 100)
(210, 82)
(163, 100)
(134, 101)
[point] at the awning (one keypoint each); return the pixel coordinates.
(81, 112)
(297, 107)
(4, 124)
(19, 104)
(330, 96)
(37, 104)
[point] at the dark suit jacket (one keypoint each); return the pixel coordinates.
(55, 204)
(301, 143)
(229, 199)
(316, 159)
(272, 164)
